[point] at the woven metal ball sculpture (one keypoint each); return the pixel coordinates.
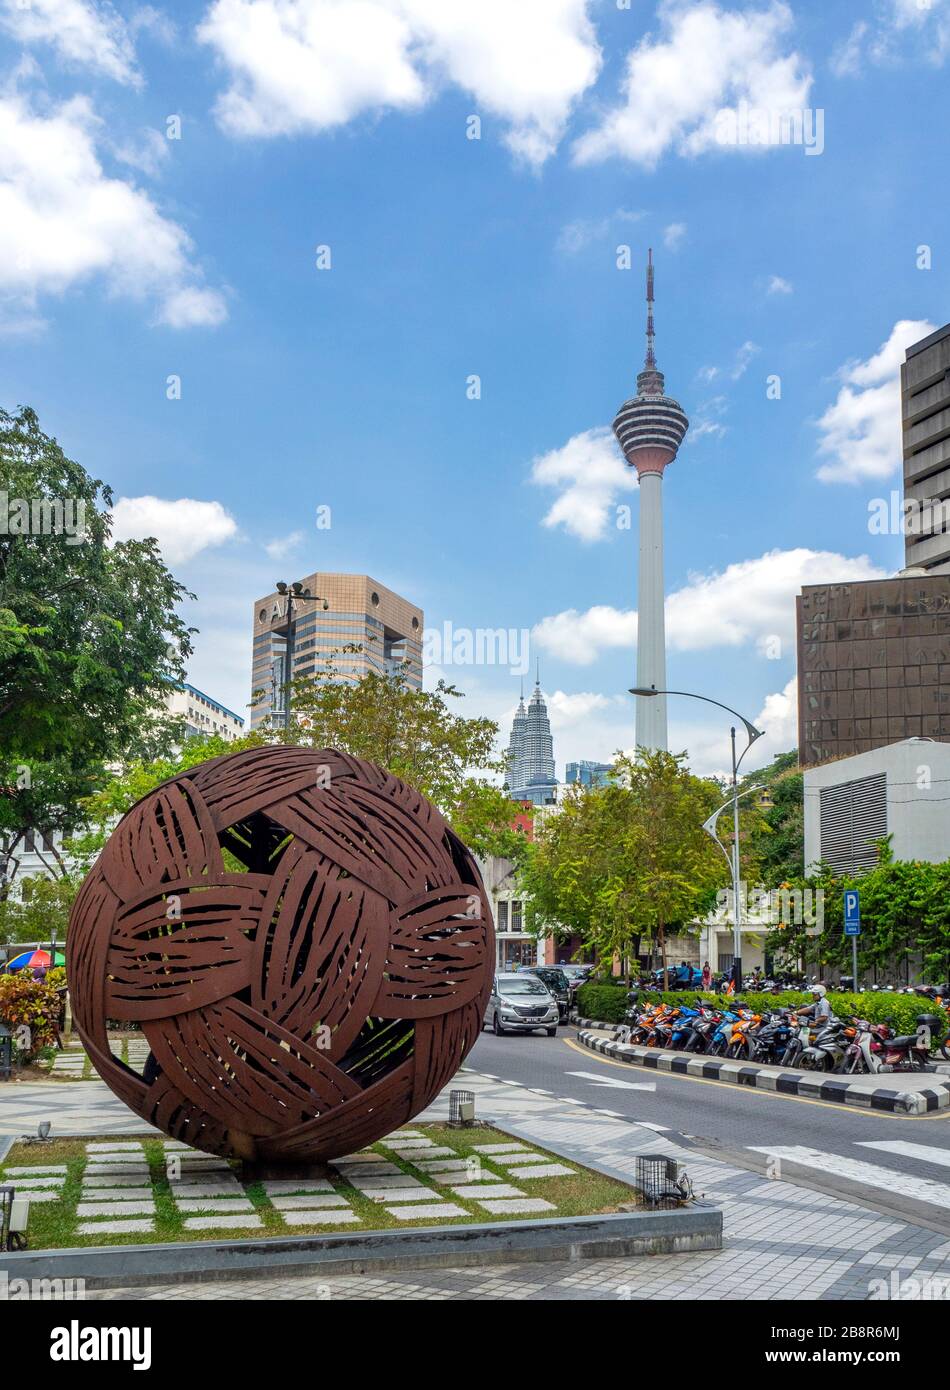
(307, 1005)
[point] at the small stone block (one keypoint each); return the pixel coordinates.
(109, 1208)
(283, 1187)
(516, 1208)
(213, 1204)
(50, 1180)
(500, 1189)
(33, 1170)
(308, 1201)
(319, 1218)
(114, 1228)
(433, 1212)
(221, 1223)
(399, 1194)
(113, 1148)
(498, 1148)
(435, 1151)
(544, 1170)
(117, 1194)
(113, 1179)
(374, 1184)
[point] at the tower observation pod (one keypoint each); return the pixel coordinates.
(650, 427)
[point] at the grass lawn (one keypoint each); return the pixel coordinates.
(53, 1224)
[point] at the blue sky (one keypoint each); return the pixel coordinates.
(128, 258)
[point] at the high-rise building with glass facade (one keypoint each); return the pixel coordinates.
(360, 613)
(588, 774)
(531, 754)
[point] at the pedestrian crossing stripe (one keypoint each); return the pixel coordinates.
(925, 1153)
(935, 1194)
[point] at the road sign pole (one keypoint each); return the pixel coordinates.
(854, 962)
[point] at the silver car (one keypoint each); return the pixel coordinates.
(521, 1004)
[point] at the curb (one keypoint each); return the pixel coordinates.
(811, 1085)
(698, 1227)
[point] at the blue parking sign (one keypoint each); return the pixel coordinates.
(852, 912)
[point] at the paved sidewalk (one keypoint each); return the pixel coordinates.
(791, 1242)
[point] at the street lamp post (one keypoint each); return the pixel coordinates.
(710, 825)
(293, 592)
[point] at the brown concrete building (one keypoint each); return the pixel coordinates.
(873, 665)
(925, 423)
(359, 611)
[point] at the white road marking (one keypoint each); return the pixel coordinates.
(936, 1194)
(925, 1153)
(597, 1078)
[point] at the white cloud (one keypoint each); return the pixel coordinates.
(861, 430)
(705, 63)
(282, 546)
(673, 235)
(590, 472)
(64, 220)
(749, 604)
(311, 65)
(578, 235)
(580, 638)
(183, 527)
(738, 367)
(846, 58)
(744, 356)
(147, 152)
(778, 285)
(900, 30)
(778, 718)
(83, 33)
(193, 306)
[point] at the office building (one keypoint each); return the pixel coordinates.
(339, 626)
(925, 422)
(873, 665)
(588, 774)
(202, 714)
(530, 754)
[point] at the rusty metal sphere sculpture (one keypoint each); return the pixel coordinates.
(308, 1004)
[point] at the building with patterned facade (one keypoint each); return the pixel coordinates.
(530, 754)
(344, 611)
(873, 665)
(925, 429)
(588, 774)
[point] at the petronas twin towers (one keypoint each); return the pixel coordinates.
(531, 753)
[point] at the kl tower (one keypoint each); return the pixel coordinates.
(650, 428)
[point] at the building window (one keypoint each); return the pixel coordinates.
(516, 916)
(503, 916)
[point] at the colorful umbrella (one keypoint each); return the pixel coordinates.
(34, 960)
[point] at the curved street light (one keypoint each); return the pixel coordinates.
(709, 826)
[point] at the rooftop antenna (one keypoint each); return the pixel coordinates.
(650, 361)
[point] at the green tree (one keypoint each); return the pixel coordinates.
(89, 635)
(414, 734)
(777, 832)
(627, 860)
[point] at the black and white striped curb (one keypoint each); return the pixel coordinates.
(811, 1085)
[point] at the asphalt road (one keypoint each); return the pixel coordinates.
(718, 1117)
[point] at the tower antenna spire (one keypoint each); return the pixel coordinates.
(650, 361)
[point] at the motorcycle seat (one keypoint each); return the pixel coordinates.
(904, 1041)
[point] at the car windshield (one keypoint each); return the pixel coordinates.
(525, 986)
(557, 978)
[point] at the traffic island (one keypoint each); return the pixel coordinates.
(140, 1210)
(902, 1093)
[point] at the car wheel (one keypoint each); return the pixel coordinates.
(496, 1027)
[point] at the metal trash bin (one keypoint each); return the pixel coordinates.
(461, 1109)
(660, 1183)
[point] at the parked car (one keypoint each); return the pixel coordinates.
(577, 975)
(521, 1004)
(558, 984)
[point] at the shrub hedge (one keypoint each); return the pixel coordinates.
(900, 1010)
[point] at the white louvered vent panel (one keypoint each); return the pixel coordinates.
(853, 816)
